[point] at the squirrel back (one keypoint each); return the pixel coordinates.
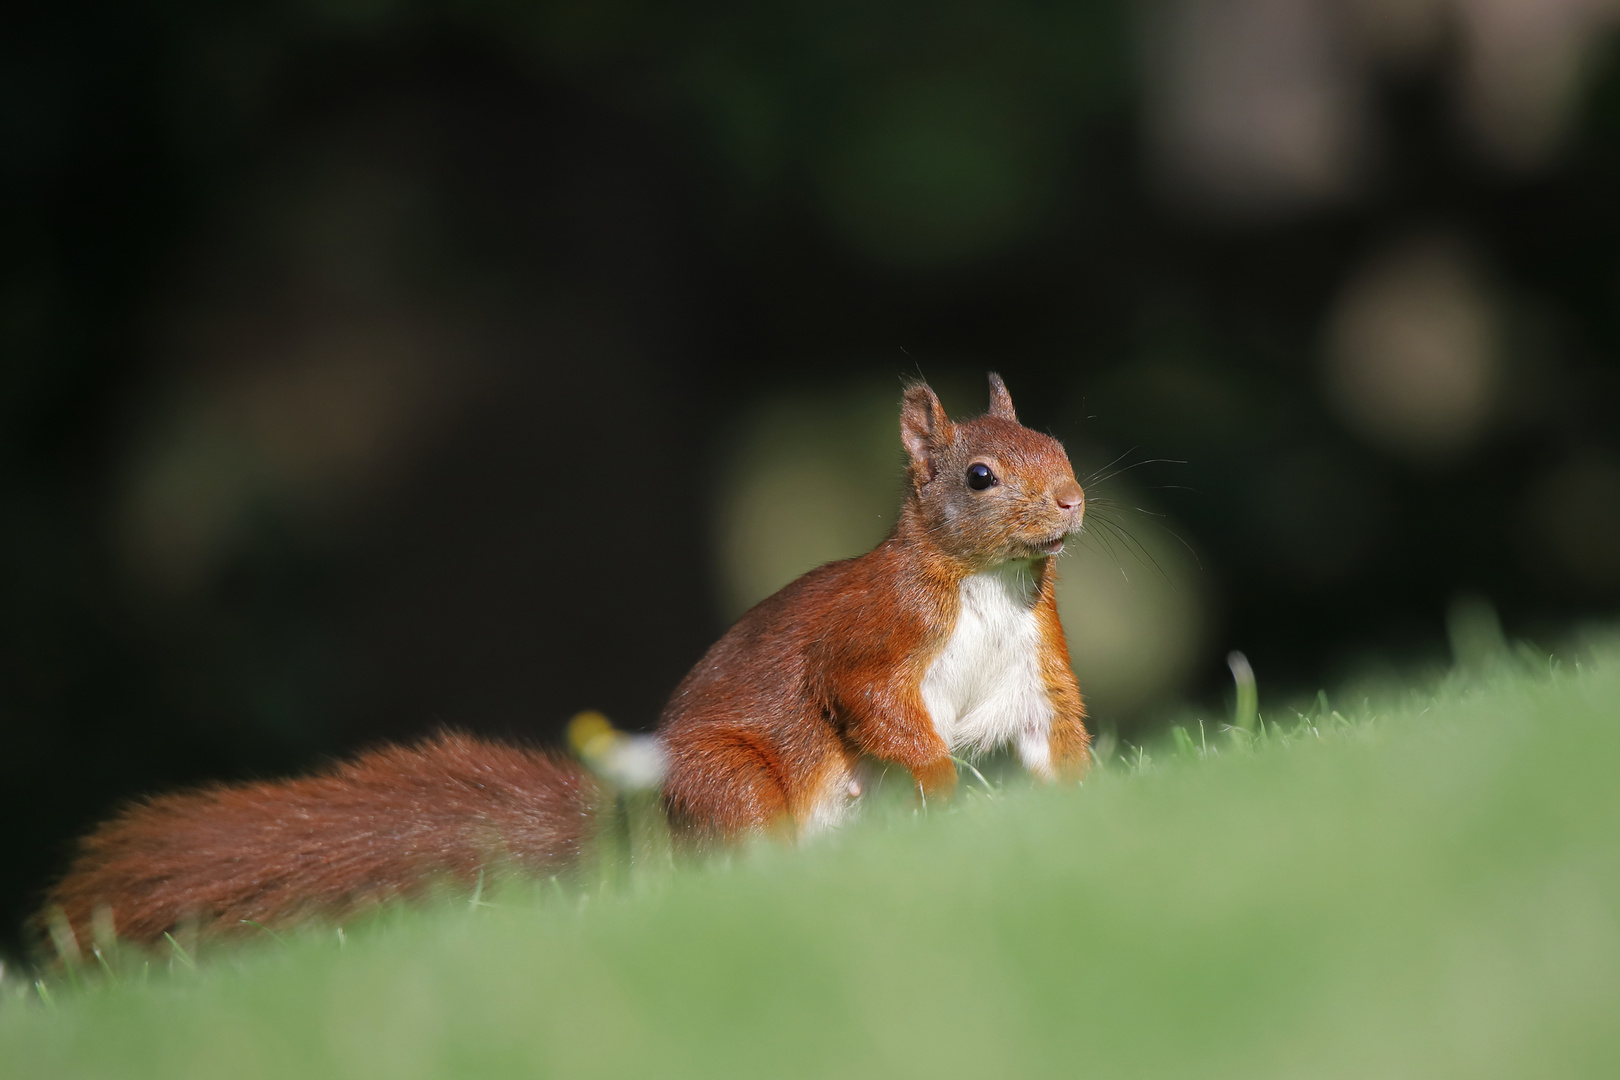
(943, 639)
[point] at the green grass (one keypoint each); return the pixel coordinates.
(1428, 889)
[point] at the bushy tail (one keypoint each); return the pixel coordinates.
(388, 823)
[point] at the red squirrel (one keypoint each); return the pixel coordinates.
(943, 638)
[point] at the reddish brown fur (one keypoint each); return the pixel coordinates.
(388, 823)
(827, 670)
(831, 667)
(1071, 742)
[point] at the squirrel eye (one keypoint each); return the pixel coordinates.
(980, 477)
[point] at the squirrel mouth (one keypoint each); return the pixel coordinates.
(1054, 546)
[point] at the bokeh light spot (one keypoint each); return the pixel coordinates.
(804, 480)
(1414, 351)
(1134, 606)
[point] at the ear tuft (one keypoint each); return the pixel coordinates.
(1001, 405)
(924, 430)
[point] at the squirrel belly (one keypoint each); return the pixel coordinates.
(985, 688)
(944, 638)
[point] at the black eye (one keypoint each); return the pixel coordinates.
(980, 477)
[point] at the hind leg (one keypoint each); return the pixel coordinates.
(722, 786)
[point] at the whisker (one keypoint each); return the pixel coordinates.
(1182, 540)
(1103, 503)
(1134, 546)
(1093, 477)
(1135, 465)
(1102, 538)
(1110, 504)
(1153, 520)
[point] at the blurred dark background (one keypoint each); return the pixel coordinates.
(367, 366)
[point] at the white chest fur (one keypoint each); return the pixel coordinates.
(984, 689)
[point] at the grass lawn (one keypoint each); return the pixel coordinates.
(1429, 888)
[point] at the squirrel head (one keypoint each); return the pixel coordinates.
(987, 490)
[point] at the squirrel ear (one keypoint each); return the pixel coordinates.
(1001, 405)
(924, 429)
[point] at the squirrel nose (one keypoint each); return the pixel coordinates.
(1069, 495)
